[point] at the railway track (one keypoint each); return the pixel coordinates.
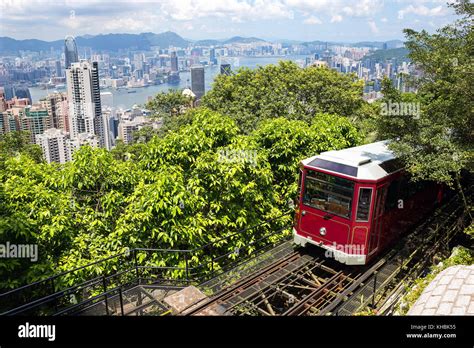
(305, 282)
(293, 285)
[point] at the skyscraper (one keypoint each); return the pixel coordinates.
(85, 111)
(34, 119)
(197, 81)
(55, 145)
(59, 72)
(226, 69)
(19, 92)
(212, 56)
(56, 104)
(70, 51)
(174, 62)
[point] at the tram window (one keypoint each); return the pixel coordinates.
(299, 185)
(363, 206)
(328, 193)
(392, 195)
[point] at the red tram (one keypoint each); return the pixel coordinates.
(355, 202)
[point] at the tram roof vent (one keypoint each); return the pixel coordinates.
(363, 160)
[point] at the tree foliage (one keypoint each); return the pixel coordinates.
(285, 90)
(167, 106)
(287, 142)
(437, 144)
(211, 171)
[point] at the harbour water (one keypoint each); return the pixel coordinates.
(139, 96)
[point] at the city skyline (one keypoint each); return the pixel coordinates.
(339, 20)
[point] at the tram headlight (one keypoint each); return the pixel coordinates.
(322, 231)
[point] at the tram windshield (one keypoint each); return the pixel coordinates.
(328, 193)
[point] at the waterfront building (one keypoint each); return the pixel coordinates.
(197, 81)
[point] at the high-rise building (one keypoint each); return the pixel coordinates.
(197, 81)
(174, 62)
(70, 51)
(19, 92)
(59, 72)
(8, 122)
(81, 140)
(55, 145)
(56, 104)
(226, 69)
(8, 92)
(388, 70)
(126, 128)
(34, 119)
(23, 92)
(85, 111)
(212, 56)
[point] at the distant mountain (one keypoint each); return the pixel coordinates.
(166, 39)
(103, 42)
(287, 42)
(395, 44)
(373, 44)
(240, 39)
(144, 41)
(115, 42)
(400, 53)
(209, 42)
(316, 43)
(380, 44)
(11, 46)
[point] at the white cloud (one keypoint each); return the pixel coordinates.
(336, 19)
(422, 10)
(184, 10)
(373, 27)
(49, 19)
(312, 20)
(357, 8)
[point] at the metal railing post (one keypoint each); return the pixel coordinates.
(53, 290)
(375, 287)
(104, 285)
(187, 269)
(136, 266)
(121, 300)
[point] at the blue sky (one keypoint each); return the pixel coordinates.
(334, 20)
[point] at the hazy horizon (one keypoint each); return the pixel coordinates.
(301, 20)
(211, 38)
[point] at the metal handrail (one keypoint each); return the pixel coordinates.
(128, 253)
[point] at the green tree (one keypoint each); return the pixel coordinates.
(285, 90)
(14, 143)
(287, 142)
(437, 145)
(167, 106)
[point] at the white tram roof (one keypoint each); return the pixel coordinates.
(366, 162)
